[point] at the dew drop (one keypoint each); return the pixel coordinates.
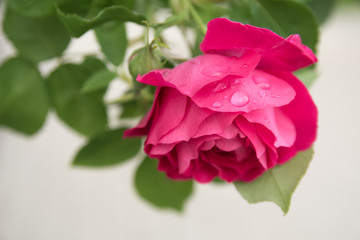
(263, 85)
(226, 97)
(245, 66)
(262, 94)
(220, 87)
(239, 99)
(165, 73)
(215, 71)
(187, 93)
(261, 82)
(237, 81)
(217, 104)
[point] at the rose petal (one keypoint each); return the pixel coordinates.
(156, 78)
(190, 76)
(204, 172)
(269, 139)
(277, 122)
(171, 104)
(157, 150)
(166, 164)
(229, 145)
(233, 38)
(230, 169)
(189, 124)
(216, 124)
(302, 111)
(296, 40)
(143, 127)
(187, 151)
(249, 130)
(257, 91)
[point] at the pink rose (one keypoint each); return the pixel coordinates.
(235, 111)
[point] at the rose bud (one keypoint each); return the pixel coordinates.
(144, 60)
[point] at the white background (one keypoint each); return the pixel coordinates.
(43, 198)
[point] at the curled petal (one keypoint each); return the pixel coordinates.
(233, 38)
(279, 124)
(250, 131)
(144, 125)
(186, 128)
(302, 111)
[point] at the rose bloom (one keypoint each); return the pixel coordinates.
(235, 111)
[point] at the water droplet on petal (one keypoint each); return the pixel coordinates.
(186, 92)
(215, 71)
(239, 99)
(262, 94)
(220, 87)
(217, 104)
(165, 73)
(245, 65)
(226, 97)
(237, 81)
(261, 82)
(263, 85)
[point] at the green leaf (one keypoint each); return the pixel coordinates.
(98, 81)
(209, 11)
(113, 41)
(321, 8)
(23, 97)
(107, 149)
(36, 39)
(92, 64)
(218, 181)
(195, 50)
(170, 21)
(278, 184)
(284, 17)
(307, 76)
(85, 113)
(77, 25)
(158, 189)
(147, 7)
(32, 8)
(135, 108)
(240, 11)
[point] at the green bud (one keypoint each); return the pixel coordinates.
(144, 60)
(207, 1)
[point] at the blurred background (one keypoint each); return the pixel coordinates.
(42, 197)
